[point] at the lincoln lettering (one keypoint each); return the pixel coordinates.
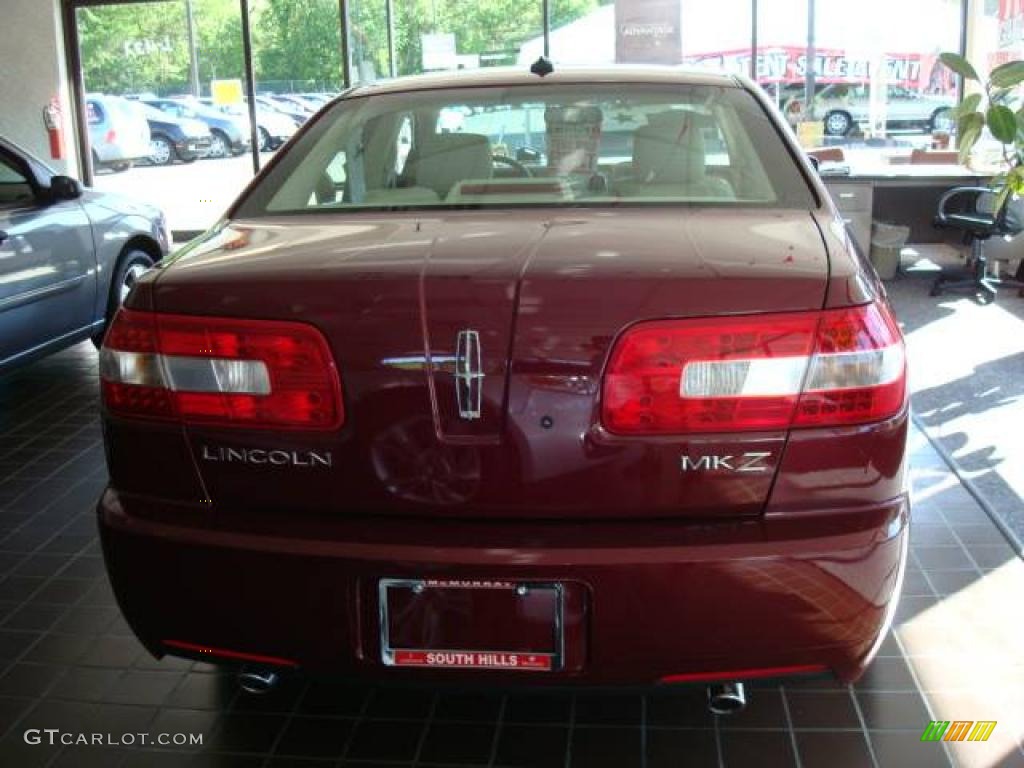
(263, 457)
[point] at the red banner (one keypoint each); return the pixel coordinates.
(789, 64)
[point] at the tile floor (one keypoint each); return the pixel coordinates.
(68, 661)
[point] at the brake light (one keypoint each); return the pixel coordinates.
(252, 373)
(756, 372)
(111, 136)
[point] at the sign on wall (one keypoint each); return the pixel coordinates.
(648, 32)
(226, 91)
(439, 51)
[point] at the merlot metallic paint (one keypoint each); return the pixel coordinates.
(670, 573)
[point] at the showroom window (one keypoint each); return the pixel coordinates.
(164, 104)
(862, 78)
(463, 34)
(846, 80)
(368, 35)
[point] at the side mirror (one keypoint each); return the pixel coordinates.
(65, 188)
(815, 162)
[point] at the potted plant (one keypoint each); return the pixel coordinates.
(996, 107)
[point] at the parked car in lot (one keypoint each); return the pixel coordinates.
(291, 101)
(118, 132)
(844, 107)
(420, 410)
(68, 256)
(274, 128)
(174, 138)
(293, 112)
(229, 134)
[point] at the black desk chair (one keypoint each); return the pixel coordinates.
(970, 210)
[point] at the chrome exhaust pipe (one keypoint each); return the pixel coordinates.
(253, 680)
(726, 698)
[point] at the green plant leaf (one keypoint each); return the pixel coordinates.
(970, 131)
(1001, 198)
(1007, 75)
(960, 65)
(967, 106)
(1002, 123)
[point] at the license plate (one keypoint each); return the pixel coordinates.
(483, 625)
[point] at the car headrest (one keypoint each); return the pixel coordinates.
(447, 158)
(669, 149)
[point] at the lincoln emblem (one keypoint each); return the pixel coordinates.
(469, 375)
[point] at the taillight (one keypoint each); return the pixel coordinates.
(252, 373)
(111, 136)
(756, 372)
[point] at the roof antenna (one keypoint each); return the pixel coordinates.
(542, 67)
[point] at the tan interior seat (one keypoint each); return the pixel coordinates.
(447, 158)
(669, 160)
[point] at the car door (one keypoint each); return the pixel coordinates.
(47, 262)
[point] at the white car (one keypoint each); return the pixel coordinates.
(118, 132)
(274, 128)
(844, 106)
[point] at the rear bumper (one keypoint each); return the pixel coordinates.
(658, 600)
(192, 147)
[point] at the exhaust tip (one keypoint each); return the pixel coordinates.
(727, 698)
(257, 681)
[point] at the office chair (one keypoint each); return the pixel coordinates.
(970, 210)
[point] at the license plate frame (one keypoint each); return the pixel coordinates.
(485, 660)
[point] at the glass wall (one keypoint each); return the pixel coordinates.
(446, 35)
(368, 40)
(156, 77)
(862, 77)
(672, 32)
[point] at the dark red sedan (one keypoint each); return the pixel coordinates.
(500, 377)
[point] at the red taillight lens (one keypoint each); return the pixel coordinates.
(253, 373)
(111, 136)
(755, 372)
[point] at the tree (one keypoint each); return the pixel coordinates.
(133, 48)
(479, 26)
(144, 46)
(297, 40)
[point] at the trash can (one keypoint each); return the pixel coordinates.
(887, 240)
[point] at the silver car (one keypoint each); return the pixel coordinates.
(68, 256)
(118, 132)
(845, 106)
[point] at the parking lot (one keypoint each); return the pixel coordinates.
(193, 196)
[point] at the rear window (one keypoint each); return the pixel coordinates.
(545, 145)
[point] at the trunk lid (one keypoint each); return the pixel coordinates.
(470, 346)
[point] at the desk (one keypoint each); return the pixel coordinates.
(901, 194)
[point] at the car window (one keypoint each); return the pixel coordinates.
(15, 188)
(93, 113)
(529, 145)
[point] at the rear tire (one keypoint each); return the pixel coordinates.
(941, 120)
(838, 123)
(163, 150)
(130, 267)
(220, 145)
(265, 140)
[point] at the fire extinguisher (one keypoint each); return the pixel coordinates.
(54, 128)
